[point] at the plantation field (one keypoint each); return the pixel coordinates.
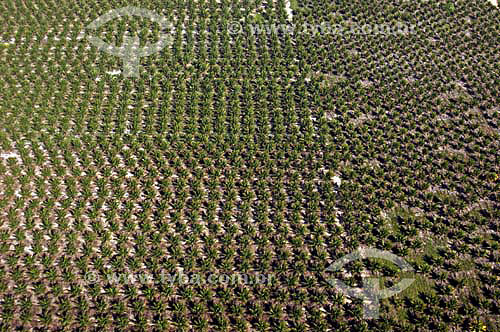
(243, 153)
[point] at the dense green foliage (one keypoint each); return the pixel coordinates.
(222, 157)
